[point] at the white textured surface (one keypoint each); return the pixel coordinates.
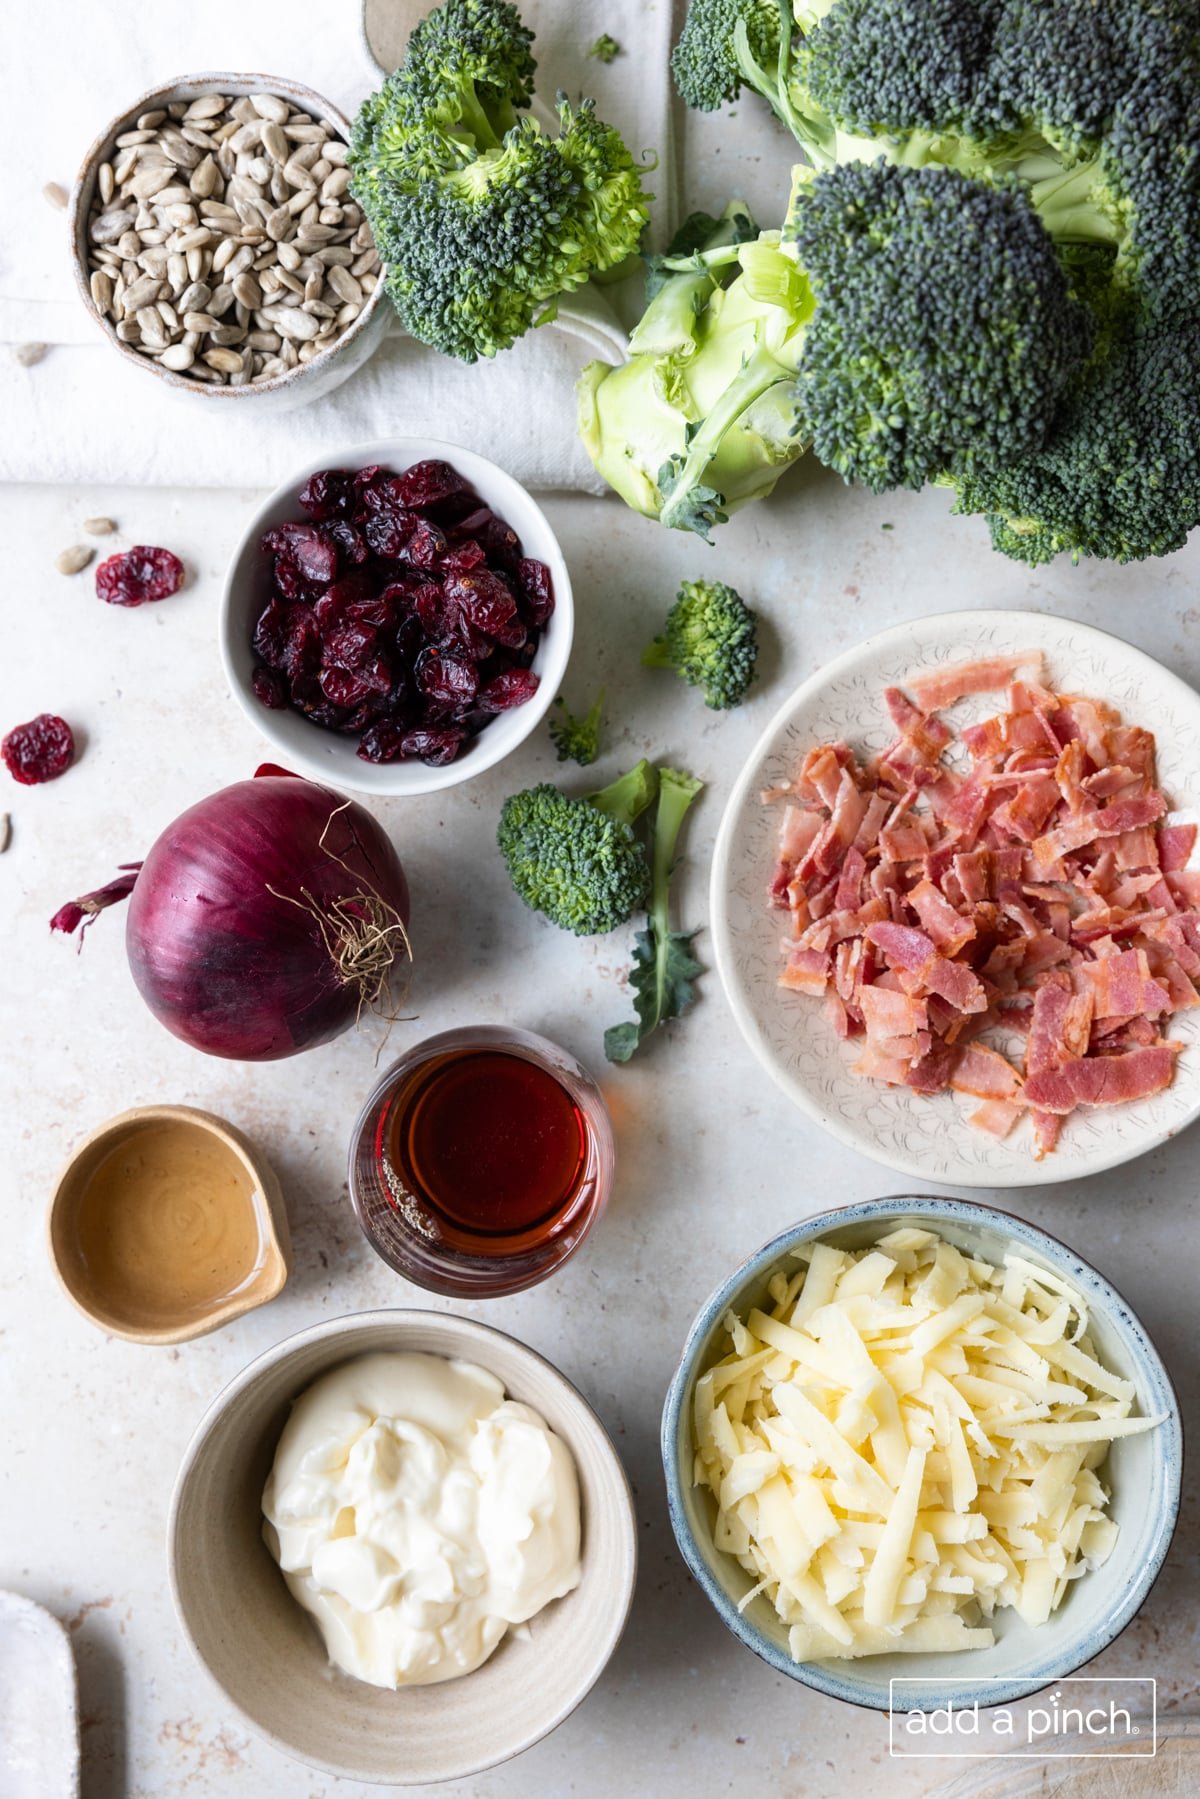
(920, 1134)
(712, 1157)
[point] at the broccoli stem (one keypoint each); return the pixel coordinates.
(629, 797)
(676, 791)
(758, 374)
(1066, 205)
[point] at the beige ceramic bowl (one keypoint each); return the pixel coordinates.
(264, 1652)
(309, 380)
(165, 1318)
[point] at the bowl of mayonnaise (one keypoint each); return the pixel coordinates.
(403, 1546)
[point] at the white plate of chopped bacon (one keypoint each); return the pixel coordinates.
(956, 899)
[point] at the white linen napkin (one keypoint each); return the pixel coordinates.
(79, 415)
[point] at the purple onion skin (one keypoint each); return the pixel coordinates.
(222, 962)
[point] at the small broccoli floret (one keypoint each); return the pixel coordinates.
(605, 48)
(578, 860)
(711, 640)
(663, 964)
(577, 739)
(725, 44)
(483, 220)
(945, 332)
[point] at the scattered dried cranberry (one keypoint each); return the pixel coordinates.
(400, 611)
(39, 751)
(137, 575)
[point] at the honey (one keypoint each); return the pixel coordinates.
(169, 1225)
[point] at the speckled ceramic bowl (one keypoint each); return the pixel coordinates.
(264, 1652)
(327, 756)
(927, 1137)
(1144, 1473)
(309, 380)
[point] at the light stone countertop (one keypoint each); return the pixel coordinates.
(712, 1159)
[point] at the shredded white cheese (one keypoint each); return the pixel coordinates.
(908, 1440)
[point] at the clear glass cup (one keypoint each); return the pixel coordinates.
(407, 1237)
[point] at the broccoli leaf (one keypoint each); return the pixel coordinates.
(661, 979)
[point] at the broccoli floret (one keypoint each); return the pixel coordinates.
(605, 48)
(726, 44)
(663, 964)
(945, 332)
(1120, 475)
(711, 640)
(482, 219)
(578, 860)
(577, 739)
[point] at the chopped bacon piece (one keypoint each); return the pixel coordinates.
(943, 686)
(1175, 846)
(948, 929)
(1103, 1080)
(996, 1116)
(985, 1073)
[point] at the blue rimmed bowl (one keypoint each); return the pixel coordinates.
(1144, 1473)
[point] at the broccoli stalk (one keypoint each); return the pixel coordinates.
(577, 739)
(711, 640)
(577, 861)
(663, 966)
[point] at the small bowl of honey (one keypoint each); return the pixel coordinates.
(166, 1224)
(480, 1161)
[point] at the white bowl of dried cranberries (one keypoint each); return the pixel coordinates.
(397, 618)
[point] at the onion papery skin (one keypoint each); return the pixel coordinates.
(222, 939)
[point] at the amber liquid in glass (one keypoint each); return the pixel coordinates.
(483, 1151)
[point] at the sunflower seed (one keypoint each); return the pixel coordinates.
(290, 322)
(70, 561)
(226, 362)
(99, 527)
(178, 358)
(206, 106)
(204, 178)
(102, 289)
(5, 831)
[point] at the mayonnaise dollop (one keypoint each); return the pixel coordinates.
(417, 1513)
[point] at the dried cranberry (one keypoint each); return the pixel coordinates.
(382, 743)
(512, 688)
(426, 547)
(39, 751)
(537, 590)
(269, 639)
(450, 679)
(486, 599)
(343, 688)
(459, 631)
(351, 646)
(429, 604)
(137, 575)
(308, 547)
(388, 531)
(425, 483)
(495, 535)
(302, 648)
(464, 558)
(364, 477)
(329, 494)
(434, 747)
(352, 545)
(270, 688)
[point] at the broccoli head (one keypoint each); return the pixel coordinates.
(578, 860)
(945, 332)
(482, 219)
(726, 44)
(711, 640)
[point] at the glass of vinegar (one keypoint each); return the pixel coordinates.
(480, 1161)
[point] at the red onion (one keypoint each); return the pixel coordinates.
(263, 920)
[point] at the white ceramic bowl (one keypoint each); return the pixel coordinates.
(265, 1653)
(929, 1137)
(1144, 1473)
(308, 380)
(328, 756)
